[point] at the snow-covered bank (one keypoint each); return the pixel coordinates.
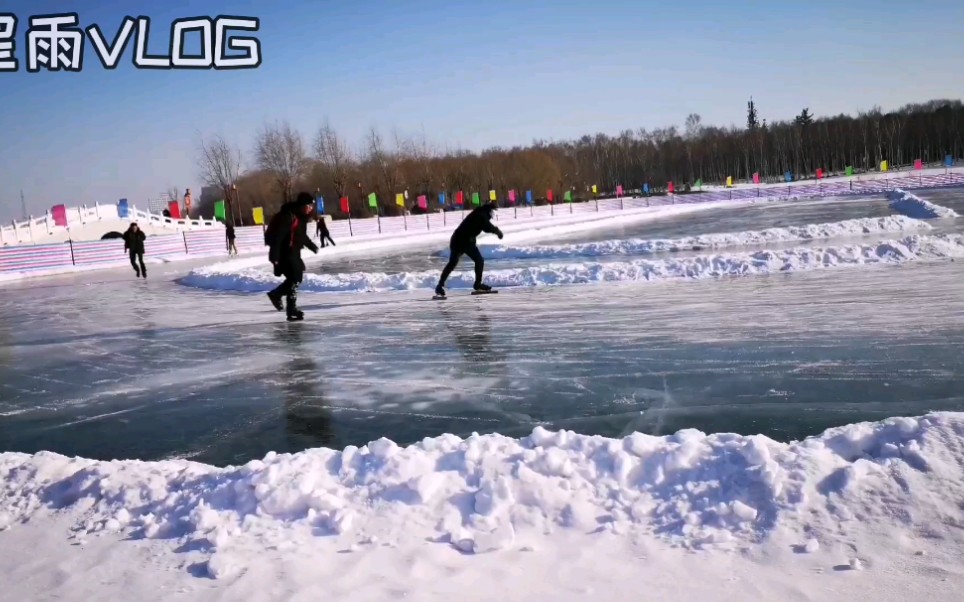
(881, 491)
(911, 248)
(639, 246)
(912, 205)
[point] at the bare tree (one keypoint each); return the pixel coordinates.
(281, 152)
(335, 156)
(220, 164)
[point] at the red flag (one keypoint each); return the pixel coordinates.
(671, 188)
(460, 198)
(756, 178)
(918, 164)
(549, 195)
(422, 202)
(819, 174)
(344, 205)
(175, 209)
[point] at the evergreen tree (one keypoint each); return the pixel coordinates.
(751, 120)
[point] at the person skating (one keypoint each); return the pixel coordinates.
(463, 243)
(323, 232)
(287, 235)
(230, 236)
(134, 244)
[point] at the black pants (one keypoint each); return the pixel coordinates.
(293, 272)
(456, 250)
(135, 258)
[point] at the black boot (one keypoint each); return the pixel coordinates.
(293, 313)
(275, 297)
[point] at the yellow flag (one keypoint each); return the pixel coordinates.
(491, 195)
(729, 181)
(594, 189)
(258, 214)
(883, 166)
(400, 199)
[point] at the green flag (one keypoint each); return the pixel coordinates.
(850, 170)
(219, 212)
(698, 183)
(475, 198)
(568, 196)
(372, 201)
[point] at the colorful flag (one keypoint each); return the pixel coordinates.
(528, 197)
(460, 198)
(59, 214)
(123, 210)
(422, 202)
(568, 196)
(594, 189)
(883, 166)
(646, 187)
(788, 176)
(756, 177)
(512, 196)
(918, 164)
(698, 183)
(619, 191)
(670, 188)
(729, 181)
(441, 198)
(219, 211)
(476, 200)
(549, 195)
(320, 203)
(344, 205)
(819, 173)
(257, 213)
(372, 200)
(400, 199)
(850, 170)
(491, 195)
(949, 161)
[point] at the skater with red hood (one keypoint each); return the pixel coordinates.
(286, 235)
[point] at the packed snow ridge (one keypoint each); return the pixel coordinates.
(914, 206)
(480, 493)
(638, 246)
(893, 252)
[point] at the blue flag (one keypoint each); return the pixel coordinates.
(320, 202)
(441, 198)
(122, 209)
(646, 188)
(788, 176)
(949, 161)
(528, 197)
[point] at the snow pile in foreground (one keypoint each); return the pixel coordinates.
(637, 246)
(914, 206)
(911, 248)
(479, 494)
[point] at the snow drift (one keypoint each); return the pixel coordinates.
(477, 494)
(914, 206)
(911, 248)
(638, 246)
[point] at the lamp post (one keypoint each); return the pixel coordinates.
(237, 200)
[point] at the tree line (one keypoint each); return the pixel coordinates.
(285, 161)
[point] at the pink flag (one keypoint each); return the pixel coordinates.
(619, 191)
(918, 164)
(671, 188)
(59, 213)
(819, 174)
(756, 178)
(422, 201)
(512, 196)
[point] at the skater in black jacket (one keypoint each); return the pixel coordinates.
(323, 232)
(286, 236)
(134, 244)
(463, 243)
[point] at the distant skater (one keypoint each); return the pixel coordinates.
(463, 242)
(323, 232)
(287, 234)
(229, 239)
(134, 244)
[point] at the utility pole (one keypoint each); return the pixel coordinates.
(23, 205)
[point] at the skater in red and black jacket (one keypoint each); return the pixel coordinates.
(463, 243)
(286, 236)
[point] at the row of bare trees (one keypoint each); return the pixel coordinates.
(284, 162)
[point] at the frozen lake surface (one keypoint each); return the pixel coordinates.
(104, 366)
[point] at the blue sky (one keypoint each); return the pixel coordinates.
(466, 73)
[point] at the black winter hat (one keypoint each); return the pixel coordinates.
(305, 198)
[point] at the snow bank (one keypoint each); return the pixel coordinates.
(912, 248)
(478, 494)
(638, 246)
(914, 206)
